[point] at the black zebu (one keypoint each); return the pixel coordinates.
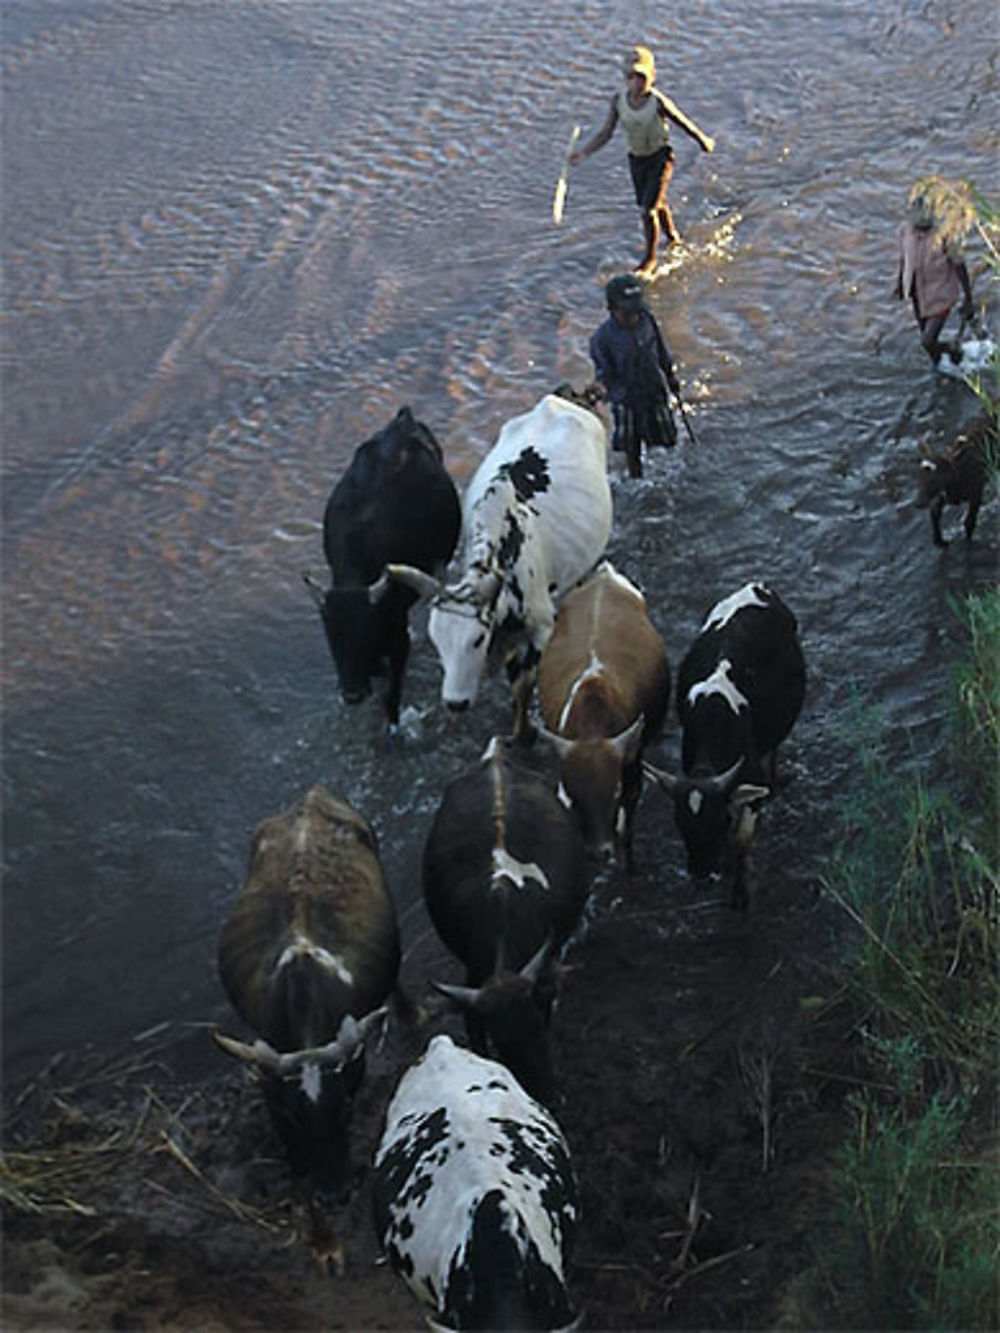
(395, 503)
(505, 881)
(739, 690)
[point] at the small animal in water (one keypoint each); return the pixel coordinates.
(958, 476)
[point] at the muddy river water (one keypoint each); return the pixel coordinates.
(236, 238)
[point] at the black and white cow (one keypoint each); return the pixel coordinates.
(505, 882)
(395, 502)
(535, 518)
(739, 690)
(308, 956)
(475, 1197)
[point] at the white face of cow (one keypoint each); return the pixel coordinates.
(460, 631)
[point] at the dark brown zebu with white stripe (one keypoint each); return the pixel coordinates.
(308, 956)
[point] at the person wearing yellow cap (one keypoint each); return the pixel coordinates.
(645, 114)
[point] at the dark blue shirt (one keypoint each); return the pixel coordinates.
(622, 356)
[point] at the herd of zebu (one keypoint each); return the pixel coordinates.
(473, 1189)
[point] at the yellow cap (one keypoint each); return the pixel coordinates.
(640, 61)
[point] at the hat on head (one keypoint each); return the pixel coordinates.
(639, 60)
(624, 293)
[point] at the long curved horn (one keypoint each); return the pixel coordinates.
(626, 741)
(316, 588)
(378, 589)
(721, 783)
(260, 1053)
(352, 1033)
(533, 968)
(560, 744)
(465, 996)
(418, 579)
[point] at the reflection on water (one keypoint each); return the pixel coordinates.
(237, 238)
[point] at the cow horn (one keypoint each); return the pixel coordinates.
(720, 784)
(560, 744)
(418, 579)
(260, 1053)
(626, 741)
(465, 996)
(533, 968)
(316, 588)
(352, 1033)
(378, 589)
(668, 781)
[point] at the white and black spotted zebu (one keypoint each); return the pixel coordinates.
(474, 1195)
(536, 517)
(740, 688)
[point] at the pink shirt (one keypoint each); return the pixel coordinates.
(928, 271)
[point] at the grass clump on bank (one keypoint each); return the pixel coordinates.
(915, 1239)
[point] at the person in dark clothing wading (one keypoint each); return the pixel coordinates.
(634, 367)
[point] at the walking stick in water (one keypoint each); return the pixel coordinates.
(684, 416)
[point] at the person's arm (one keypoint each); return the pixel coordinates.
(669, 110)
(600, 138)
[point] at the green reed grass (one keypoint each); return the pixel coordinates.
(915, 1239)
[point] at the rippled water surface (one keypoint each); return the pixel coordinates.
(238, 237)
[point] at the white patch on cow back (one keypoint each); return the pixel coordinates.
(695, 800)
(751, 594)
(324, 957)
(564, 796)
(472, 1156)
(507, 866)
(719, 683)
(311, 1080)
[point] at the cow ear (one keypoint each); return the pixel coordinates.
(489, 586)
(748, 793)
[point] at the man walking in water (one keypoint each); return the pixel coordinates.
(645, 114)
